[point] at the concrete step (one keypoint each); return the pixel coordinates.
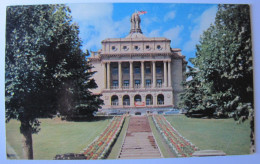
(140, 156)
(139, 142)
(145, 157)
(140, 151)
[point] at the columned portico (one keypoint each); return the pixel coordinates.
(131, 75)
(154, 75)
(105, 75)
(169, 74)
(120, 75)
(165, 73)
(142, 74)
(108, 75)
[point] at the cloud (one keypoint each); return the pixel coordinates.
(169, 16)
(146, 21)
(91, 12)
(203, 22)
(154, 33)
(174, 35)
(96, 24)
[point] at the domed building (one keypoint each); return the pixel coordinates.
(137, 74)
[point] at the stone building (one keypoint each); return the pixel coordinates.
(138, 73)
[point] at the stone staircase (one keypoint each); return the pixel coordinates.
(139, 142)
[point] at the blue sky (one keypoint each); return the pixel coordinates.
(182, 23)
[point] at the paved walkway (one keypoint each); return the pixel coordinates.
(139, 141)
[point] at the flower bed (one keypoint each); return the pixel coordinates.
(181, 146)
(100, 147)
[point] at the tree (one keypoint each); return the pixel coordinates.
(43, 59)
(82, 100)
(195, 96)
(224, 61)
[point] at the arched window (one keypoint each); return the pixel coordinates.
(149, 100)
(126, 100)
(160, 99)
(114, 100)
(138, 98)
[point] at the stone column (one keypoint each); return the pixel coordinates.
(120, 100)
(165, 73)
(131, 75)
(120, 75)
(108, 75)
(169, 74)
(154, 99)
(105, 76)
(142, 74)
(132, 101)
(154, 75)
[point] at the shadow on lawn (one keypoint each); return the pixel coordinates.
(88, 119)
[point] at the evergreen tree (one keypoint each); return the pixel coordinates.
(78, 98)
(195, 97)
(42, 59)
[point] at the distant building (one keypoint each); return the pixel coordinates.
(138, 73)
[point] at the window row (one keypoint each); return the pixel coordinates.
(137, 69)
(137, 48)
(137, 99)
(148, 82)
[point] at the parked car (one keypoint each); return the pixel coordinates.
(160, 112)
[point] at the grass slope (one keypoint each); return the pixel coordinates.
(165, 149)
(216, 134)
(117, 146)
(56, 137)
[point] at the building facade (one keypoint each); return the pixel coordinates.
(138, 73)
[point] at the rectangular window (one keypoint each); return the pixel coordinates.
(126, 69)
(115, 70)
(158, 69)
(159, 81)
(147, 69)
(115, 83)
(148, 81)
(137, 82)
(137, 69)
(126, 82)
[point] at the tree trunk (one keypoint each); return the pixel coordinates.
(252, 135)
(26, 131)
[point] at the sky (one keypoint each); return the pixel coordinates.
(181, 23)
(116, 14)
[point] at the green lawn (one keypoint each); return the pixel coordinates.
(217, 134)
(165, 150)
(59, 137)
(117, 146)
(56, 137)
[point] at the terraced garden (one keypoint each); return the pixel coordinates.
(172, 136)
(180, 146)
(100, 148)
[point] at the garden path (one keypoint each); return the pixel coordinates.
(139, 141)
